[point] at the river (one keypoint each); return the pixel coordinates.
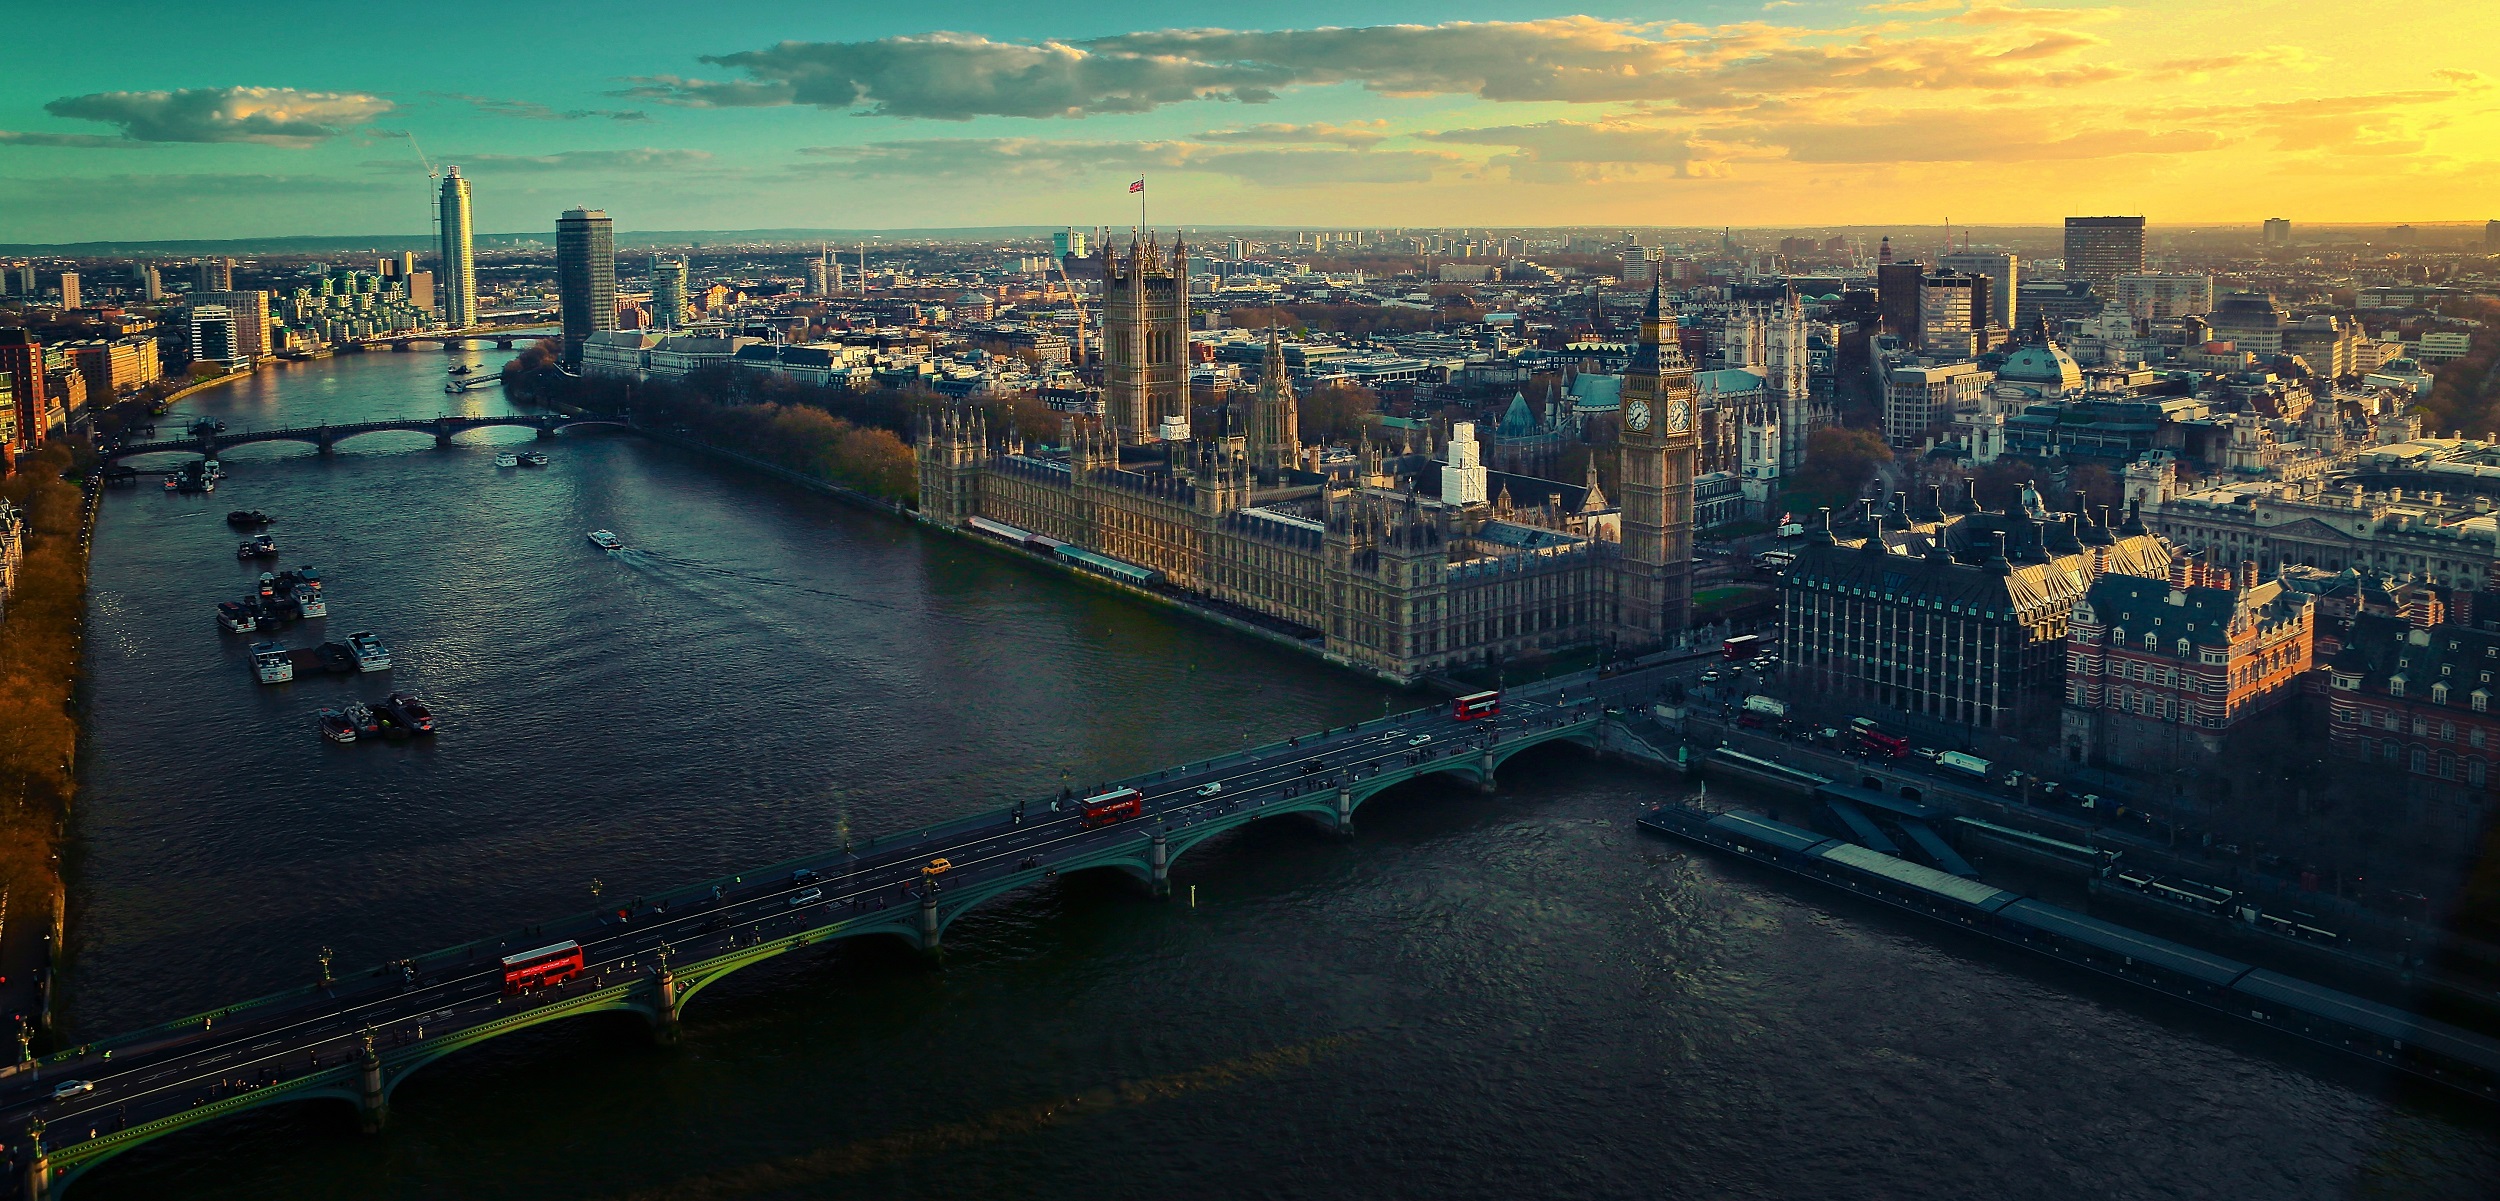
(1513, 994)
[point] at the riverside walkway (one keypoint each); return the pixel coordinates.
(354, 1039)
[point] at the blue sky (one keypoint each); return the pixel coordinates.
(212, 121)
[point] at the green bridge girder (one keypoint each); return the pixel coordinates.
(659, 993)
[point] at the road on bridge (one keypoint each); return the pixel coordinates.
(134, 1079)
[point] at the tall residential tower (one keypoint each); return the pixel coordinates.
(585, 277)
(457, 281)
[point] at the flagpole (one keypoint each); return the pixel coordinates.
(1141, 205)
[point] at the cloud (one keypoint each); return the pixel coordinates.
(1579, 151)
(1955, 136)
(1352, 133)
(1059, 161)
(1997, 14)
(645, 159)
(269, 116)
(1914, 6)
(2201, 66)
(531, 110)
(1581, 60)
(90, 141)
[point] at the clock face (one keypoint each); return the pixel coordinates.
(1637, 415)
(1679, 415)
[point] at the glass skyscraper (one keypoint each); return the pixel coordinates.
(585, 277)
(457, 284)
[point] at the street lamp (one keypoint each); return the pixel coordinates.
(326, 955)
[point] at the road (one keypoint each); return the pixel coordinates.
(111, 1085)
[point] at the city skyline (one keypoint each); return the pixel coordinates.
(1700, 114)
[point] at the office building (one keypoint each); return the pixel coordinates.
(2251, 320)
(2002, 270)
(1068, 243)
(456, 274)
(212, 334)
(421, 290)
(212, 275)
(22, 359)
(2491, 237)
(248, 312)
(2101, 249)
(1956, 620)
(2278, 231)
(585, 277)
(1952, 313)
(1920, 399)
(1896, 297)
(668, 294)
(2162, 296)
(69, 290)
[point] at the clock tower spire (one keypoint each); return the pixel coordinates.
(1654, 577)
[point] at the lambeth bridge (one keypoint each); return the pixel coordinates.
(326, 437)
(355, 1038)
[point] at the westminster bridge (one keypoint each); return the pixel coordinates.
(356, 1037)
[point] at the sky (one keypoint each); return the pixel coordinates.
(232, 120)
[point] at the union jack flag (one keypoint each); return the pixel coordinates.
(1139, 186)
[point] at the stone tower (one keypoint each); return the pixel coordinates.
(1654, 577)
(1145, 338)
(953, 445)
(1275, 430)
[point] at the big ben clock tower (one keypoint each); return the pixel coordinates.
(1654, 578)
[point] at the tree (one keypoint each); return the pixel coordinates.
(1839, 462)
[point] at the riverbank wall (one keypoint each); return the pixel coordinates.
(1182, 604)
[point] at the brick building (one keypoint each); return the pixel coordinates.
(2157, 669)
(2414, 698)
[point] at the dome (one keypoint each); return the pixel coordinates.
(2042, 363)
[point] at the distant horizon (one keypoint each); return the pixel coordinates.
(340, 243)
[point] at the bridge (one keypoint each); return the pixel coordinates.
(355, 1038)
(327, 437)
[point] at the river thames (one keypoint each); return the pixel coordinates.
(1512, 995)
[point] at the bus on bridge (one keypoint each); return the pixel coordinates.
(548, 965)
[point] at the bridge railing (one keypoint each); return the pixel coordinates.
(492, 947)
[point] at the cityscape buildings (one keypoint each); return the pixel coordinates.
(2101, 249)
(585, 276)
(456, 269)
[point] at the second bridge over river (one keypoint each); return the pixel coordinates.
(355, 1039)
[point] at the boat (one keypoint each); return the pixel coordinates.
(404, 710)
(211, 469)
(605, 540)
(310, 604)
(462, 369)
(336, 727)
(263, 547)
(268, 584)
(361, 715)
(248, 517)
(534, 458)
(507, 460)
(370, 654)
(271, 663)
(337, 657)
(170, 485)
(235, 617)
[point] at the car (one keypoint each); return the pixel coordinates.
(1313, 765)
(71, 1088)
(937, 867)
(1710, 677)
(806, 897)
(1215, 788)
(805, 875)
(1419, 740)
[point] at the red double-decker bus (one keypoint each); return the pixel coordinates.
(1117, 805)
(545, 966)
(1475, 705)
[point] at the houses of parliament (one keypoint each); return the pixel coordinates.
(1401, 559)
